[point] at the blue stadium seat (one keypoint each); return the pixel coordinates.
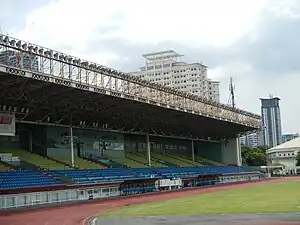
(25, 179)
(92, 176)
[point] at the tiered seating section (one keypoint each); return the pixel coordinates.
(93, 176)
(21, 179)
(55, 171)
(131, 160)
(25, 179)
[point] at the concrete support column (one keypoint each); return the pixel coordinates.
(148, 150)
(72, 148)
(193, 152)
(231, 151)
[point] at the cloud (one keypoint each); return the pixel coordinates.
(254, 41)
(199, 23)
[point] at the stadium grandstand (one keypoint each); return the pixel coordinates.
(74, 130)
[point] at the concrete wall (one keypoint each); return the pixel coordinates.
(209, 150)
(231, 151)
(158, 144)
(85, 141)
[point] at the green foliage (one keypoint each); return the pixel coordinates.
(254, 156)
(263, 147)
(298, 159)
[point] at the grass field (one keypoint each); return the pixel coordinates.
(269, 198)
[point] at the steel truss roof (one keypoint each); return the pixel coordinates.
(58, 85)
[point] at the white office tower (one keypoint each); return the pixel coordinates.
(252, 140)
(166, 68)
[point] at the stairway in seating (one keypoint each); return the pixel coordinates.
(188, 159)
(33, 160)
(128, 162)
(208, 161)
(79, 162)
(169, 159)
(154, 162)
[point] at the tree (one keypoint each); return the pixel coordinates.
(298, 159)
(263, 147)
(254, 156)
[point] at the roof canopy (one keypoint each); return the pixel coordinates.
(289, 145)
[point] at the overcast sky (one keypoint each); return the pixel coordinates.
(257, 42)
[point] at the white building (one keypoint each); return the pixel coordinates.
(285, 154)
(166, 68)
(252, 140)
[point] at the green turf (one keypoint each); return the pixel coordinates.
(270, 198)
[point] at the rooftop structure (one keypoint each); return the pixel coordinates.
(166, 68)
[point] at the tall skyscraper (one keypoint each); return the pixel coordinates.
(271, 119)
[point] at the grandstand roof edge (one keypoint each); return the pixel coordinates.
(120, 75)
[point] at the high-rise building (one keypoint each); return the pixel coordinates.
(271, 119)
(12, 58)
(252, 140)
(288, 137)
(166, 68)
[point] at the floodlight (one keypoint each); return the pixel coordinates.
(19, 44)
(55, 55)
(70, 59)
(85, 64)
(27, 110)
(12, 43)
(4, 107)
(62, 57)
(22, 110)
(9, 108)
(92, 66)
(15, 109)
(6, 39)
(30, 47)
(76, 61)
(47, 53)
(41, 51)
(1, 37)
(24, 46)
(35, 49)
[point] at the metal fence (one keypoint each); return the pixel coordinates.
(32, 199)
(55, 197)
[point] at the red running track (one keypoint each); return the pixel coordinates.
(79, 214)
